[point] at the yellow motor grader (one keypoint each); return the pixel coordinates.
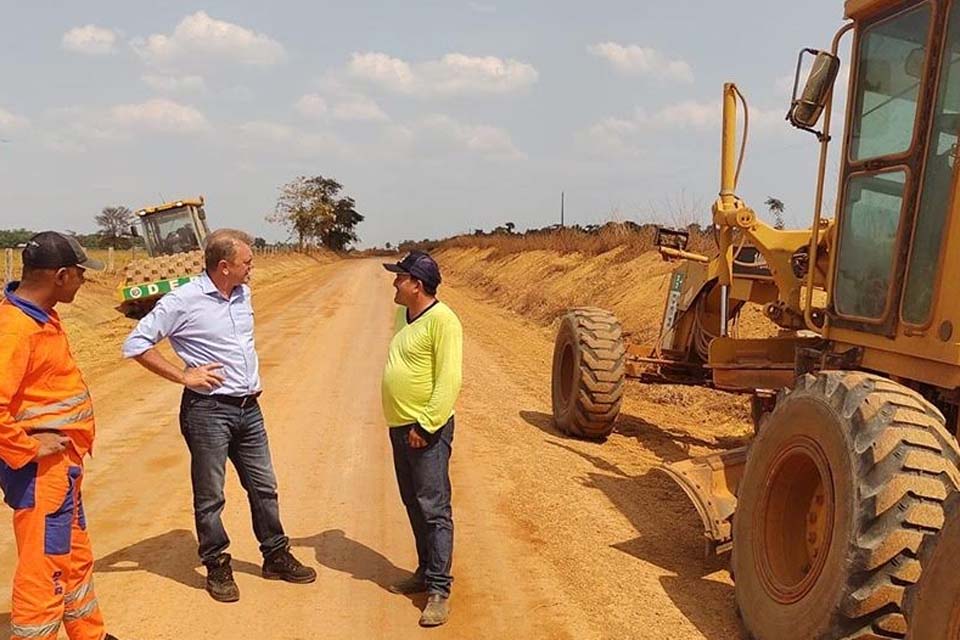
(835, 512)
(173, 233)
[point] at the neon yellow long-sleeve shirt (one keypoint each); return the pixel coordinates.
(421, 380)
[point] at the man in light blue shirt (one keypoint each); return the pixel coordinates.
(209, 322)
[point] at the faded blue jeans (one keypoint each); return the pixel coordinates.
(215, 431)
(423, 476)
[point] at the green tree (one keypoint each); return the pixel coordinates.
(259, 243)
(12, 238)
(776, 209)
(313, 209)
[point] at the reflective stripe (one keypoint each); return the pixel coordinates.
(33, 412)
(62, 422)
(82, 612)
(34, 630)
(79, 593)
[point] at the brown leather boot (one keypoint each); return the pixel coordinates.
(220, 583)
(436, 612)
(281, 565)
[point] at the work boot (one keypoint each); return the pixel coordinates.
(220, 583)
(281, 565)
(413, 584)
(436, 612)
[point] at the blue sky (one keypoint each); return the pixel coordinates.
(438, 117)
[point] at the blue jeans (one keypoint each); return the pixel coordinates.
(215, 431)
(423, 476)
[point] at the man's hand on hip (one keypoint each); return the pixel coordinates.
(415, 440)
(203, 377)
(50, 443)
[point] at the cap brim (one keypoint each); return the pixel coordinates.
(91, 264)
(392, 267)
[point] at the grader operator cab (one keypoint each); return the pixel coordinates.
(835, 513)
(173, 234)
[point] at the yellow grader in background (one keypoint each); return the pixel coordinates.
(842, 514)
(173, 234)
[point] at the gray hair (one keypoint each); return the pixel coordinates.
(222, 245)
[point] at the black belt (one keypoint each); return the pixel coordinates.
(236, 401)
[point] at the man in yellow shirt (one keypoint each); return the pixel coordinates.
(421, 381)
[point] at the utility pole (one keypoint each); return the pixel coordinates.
(561, 208)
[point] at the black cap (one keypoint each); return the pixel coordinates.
(52, 250)
(420, 265)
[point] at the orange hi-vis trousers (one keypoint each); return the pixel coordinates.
(53, 583)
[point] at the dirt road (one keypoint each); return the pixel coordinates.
(555, 538)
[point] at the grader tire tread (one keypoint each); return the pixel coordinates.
(908, 466)
(932, 605)
(920, 471)
(597, 392)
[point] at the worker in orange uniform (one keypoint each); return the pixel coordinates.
(46, 429)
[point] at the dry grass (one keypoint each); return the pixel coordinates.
(628, 239)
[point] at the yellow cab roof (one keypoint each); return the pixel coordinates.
(186, 202)
(859, 9)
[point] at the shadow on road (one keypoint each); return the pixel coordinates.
(335, 550)
(542, 421)
(670, 534)
(5, 625)
(667, 445)
(172, 555)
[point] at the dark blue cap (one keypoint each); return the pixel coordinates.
(52, 250)
(420, 265)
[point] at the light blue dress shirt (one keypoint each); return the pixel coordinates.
(203, 328)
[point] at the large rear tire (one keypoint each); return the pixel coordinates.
(588, 373)
(933, 604)
(842, 484)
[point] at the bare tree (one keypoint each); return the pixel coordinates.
(114, 222)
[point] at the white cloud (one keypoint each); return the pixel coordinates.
(312, 106)
(90, 39)
(263, 135)
(174, 84)
(482, 139)
(11, 121)
(645, 61)
(628, 135)
(199, 37)
(346, 105)
(159, 115)
(359, 108)
(453, 74)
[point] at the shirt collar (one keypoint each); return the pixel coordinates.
(207, 286)
(31, 309)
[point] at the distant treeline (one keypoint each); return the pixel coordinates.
(13, 238)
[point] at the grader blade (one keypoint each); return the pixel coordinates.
(711, 484)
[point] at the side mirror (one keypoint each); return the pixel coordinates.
(805, 110)
(201, 213)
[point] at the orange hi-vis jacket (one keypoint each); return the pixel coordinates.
(41, 388)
